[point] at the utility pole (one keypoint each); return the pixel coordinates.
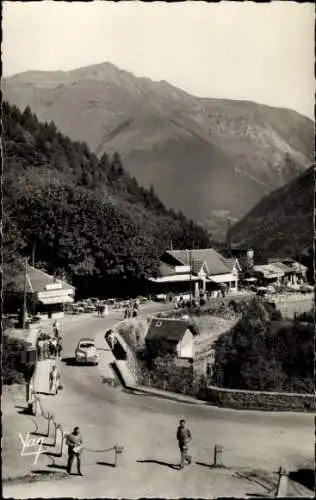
(24, 294)
(33, 253)
(190, 277)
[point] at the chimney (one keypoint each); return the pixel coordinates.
(250, 258)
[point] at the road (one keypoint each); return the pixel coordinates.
(146, 427)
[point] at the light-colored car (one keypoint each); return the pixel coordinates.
(86, 352)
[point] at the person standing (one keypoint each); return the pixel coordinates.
(74, 443)
(59, 347)
(56, 328)
(184, 438)
(54, 380)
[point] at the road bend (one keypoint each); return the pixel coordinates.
(146, 425)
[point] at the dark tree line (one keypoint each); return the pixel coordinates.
(87, 218)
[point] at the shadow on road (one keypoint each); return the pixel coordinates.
(158, 462)
(108, 464)
(305, 477)
(69, 361)
(55, 466)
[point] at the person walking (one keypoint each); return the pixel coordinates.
(59, 347)
(56, 328)
(54, 380)
(184, 437)
(74, 443)
(40, 348)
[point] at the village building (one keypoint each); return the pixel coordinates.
(173, 336)
(194, 272)
(46, 294)
(285, 272)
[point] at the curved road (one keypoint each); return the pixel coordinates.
(146, 427)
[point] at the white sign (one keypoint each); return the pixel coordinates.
(54, 293)
(54, 286)
(31, 443)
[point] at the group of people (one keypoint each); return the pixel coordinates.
(75, 445)
(101, 308)
(49, 346)
(131, 309)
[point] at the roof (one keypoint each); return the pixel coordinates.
(197, 265)
(165, 269)
(269, 271)
(282, 267)
(37, 280)
(214, 261)
(231, 263)
(294, 266)
(168, 329)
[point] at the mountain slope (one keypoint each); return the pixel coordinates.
(86, 218)
(283, 222)
(210, 158)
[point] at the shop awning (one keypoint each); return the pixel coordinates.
(66, 299)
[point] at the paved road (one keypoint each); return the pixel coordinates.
(146, 427)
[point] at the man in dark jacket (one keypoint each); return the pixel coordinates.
(74, 443)
(184, 437)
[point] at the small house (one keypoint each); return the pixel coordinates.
(174, 336)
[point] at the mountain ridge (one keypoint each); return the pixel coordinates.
(165, 134)
(282, 222)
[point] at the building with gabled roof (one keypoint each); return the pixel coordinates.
(48, 293)
(174, 336)
(195, 271)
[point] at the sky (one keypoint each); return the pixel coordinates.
(259, 52)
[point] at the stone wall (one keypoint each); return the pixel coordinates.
(257, 400)
(293, 304)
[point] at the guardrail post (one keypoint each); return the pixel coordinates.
(218, 456)
(282, 487)
(49, 419)
(118, 450)
(62, 436)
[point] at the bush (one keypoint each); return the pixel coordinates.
(264, 354)
(13, 371)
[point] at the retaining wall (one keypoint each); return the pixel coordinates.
(257, 400)
(292, 304)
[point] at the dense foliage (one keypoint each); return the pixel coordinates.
(266, 355)
(13, 370)
(84, 217)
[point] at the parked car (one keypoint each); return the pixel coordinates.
(261, 291)
(142, 300)
(161, 297)
(86, 352)
(306, 288)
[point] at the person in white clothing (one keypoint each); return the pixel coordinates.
(54, 380)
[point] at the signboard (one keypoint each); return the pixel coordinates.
(54, 286)
(54, 294)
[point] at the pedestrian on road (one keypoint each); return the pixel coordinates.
(54, 380)
(45, 347)
(184, 437)
(53, 347)
(74, 443)
(112, 340)
(59, 347)
(56, 328)
(40, 348)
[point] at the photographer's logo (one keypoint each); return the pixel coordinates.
(34, 445)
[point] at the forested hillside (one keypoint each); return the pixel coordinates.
(84, 217)
(283, 221)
